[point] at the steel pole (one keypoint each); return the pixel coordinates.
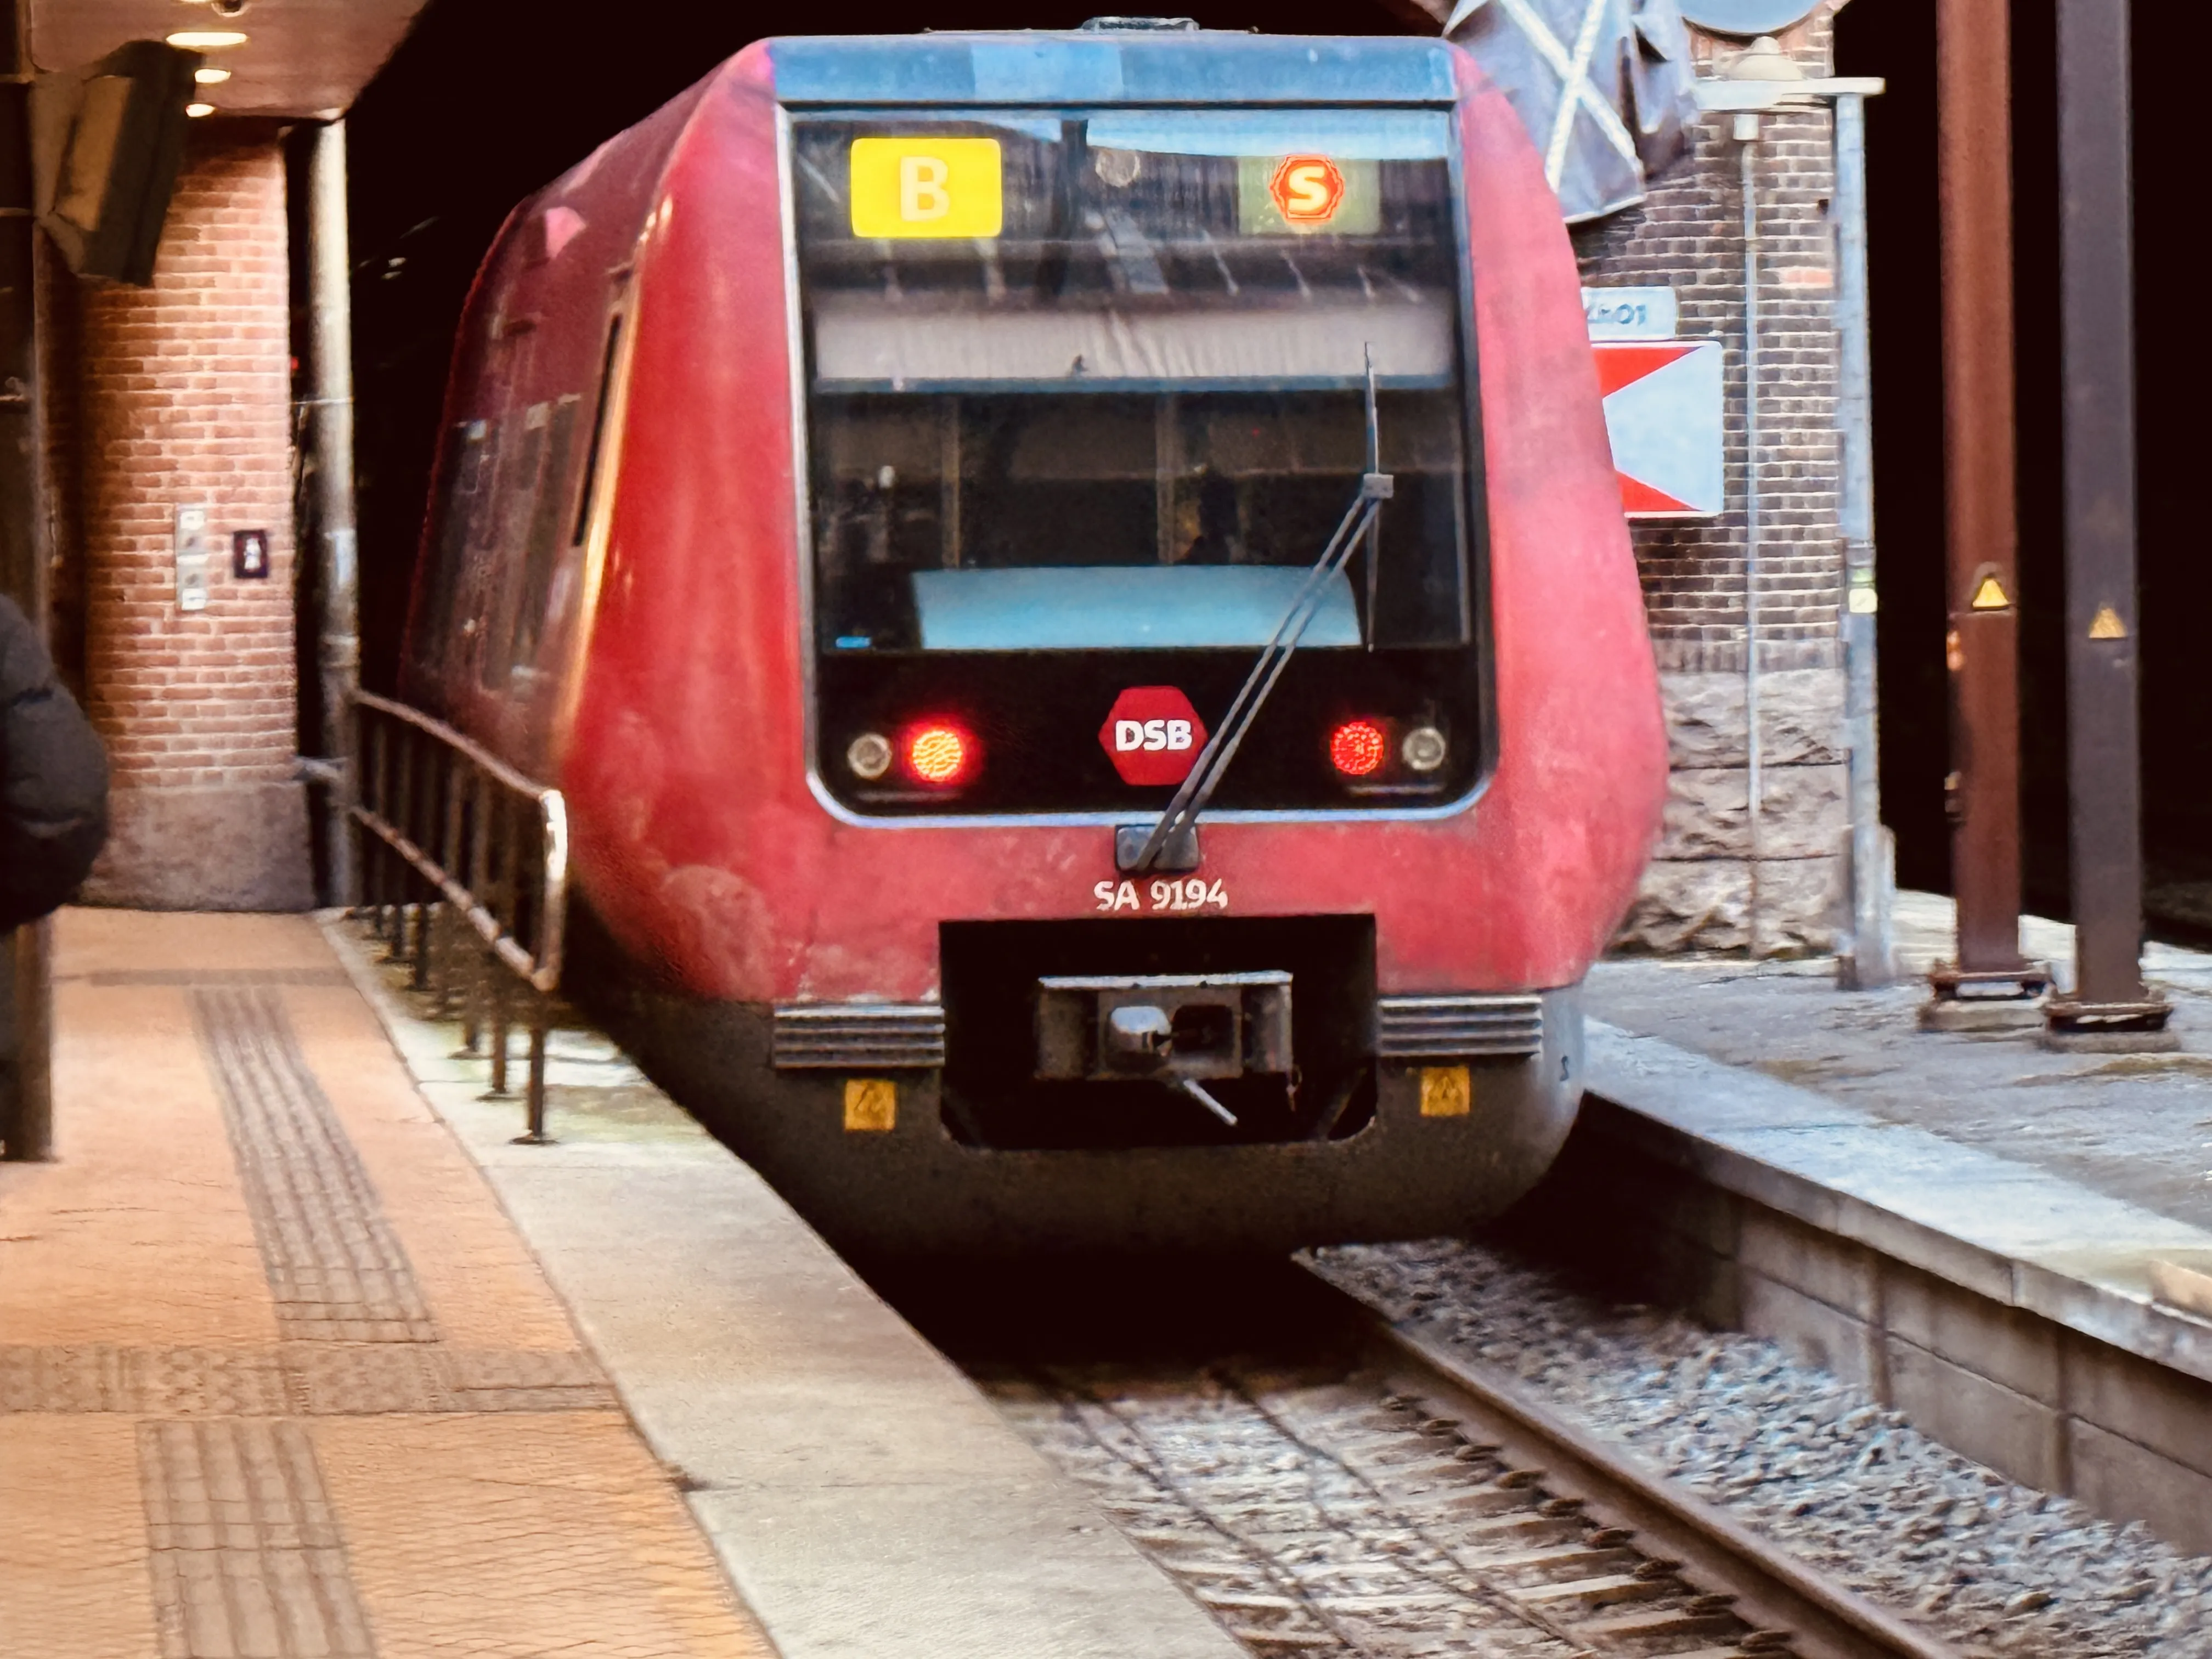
(1974, 180)
(1746, 133)
(1870, 961)
(2108, 1005)
(337, 573)
(26, 977)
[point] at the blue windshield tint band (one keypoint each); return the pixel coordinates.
(1123, 608)
(1020, 66)
(1348, 135)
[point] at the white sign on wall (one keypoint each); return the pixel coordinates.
(191, 550)
(1630, 314)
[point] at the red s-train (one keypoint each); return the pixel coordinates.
(881, 484)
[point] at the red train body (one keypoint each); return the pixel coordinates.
(632, 558)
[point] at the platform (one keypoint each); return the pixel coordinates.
(299, 1359)
(1987, 1234)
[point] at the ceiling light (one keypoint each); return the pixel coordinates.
(211, 77)
(197, 110)
(206, 39)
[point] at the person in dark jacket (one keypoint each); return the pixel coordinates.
(53, 780)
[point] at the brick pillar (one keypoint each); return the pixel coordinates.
(1688, 234)
(186, 399)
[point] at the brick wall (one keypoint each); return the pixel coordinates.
(182, 395)
(1702, 888)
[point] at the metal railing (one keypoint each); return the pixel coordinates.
(464, 872)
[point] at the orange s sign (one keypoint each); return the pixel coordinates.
(1307, 190)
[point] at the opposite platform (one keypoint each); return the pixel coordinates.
(1979, 1230)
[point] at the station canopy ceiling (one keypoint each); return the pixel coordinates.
(300, 57)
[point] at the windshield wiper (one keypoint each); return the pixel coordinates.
(1180, 821)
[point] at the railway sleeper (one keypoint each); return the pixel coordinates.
(1598, 1592)
(1652, 1624)
(1570, 1556)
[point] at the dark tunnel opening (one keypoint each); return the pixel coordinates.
(1896, 38)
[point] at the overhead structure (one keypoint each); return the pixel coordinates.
(1605, 87)
(292, 58)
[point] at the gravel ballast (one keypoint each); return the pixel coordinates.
(1808, 1461)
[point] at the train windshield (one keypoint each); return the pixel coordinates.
(1096, 382)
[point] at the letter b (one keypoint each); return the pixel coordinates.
(922, 194)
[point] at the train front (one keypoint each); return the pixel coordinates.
(1148, 664)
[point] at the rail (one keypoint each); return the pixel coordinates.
(1770, 1586)
(456, 844)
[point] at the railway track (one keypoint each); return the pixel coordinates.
(1389, 1503)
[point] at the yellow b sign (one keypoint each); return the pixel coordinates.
(947, 187)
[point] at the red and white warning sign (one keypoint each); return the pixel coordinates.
(1152, 735)
(1664, 402)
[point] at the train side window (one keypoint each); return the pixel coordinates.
(541, 548)
(585, 500)
(461, 491)
(518, 493)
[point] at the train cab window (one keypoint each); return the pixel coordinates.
(1095, 382)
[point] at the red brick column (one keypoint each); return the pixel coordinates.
(1688, 234)
(186, 399)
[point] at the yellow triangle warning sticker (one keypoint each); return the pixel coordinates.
(1991, 596)
(2107, 624)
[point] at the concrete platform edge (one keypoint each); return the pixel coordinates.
(864, 1497)
(2057, 1249)
(2003, 1309)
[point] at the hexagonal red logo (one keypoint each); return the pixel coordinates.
(1307, 189)
(1152, 735)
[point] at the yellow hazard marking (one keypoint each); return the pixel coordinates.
(2107, 625)
(870, 1104)
(1991, 596)
(946, 187)
(1446, 1092)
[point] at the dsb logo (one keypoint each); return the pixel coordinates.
(1152, 735)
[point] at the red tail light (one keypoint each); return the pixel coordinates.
(1357, 747)
(939, 753)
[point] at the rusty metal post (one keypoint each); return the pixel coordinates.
(26, 956)
(1989, 981)
(474, 969)
(2109, 1007)
(540, 1019)
(497, 1025)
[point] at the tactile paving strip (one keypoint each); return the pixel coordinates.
(336, 1269)
(317, 1379)
(247, 1558)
